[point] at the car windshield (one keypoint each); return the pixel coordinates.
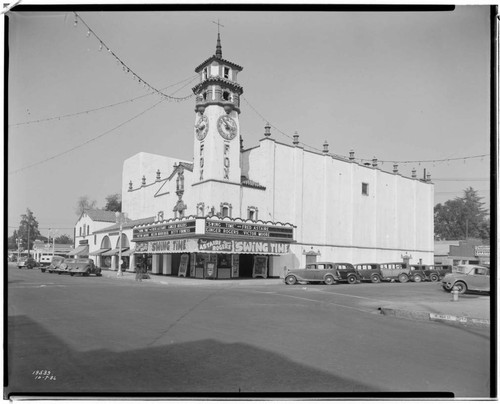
(82, 261)
(462, 269)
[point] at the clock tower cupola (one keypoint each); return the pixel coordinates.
(217, 127)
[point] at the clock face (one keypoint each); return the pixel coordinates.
(227, 127)
(201, 127)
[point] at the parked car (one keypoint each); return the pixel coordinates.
(82, 266)
(54, 265)
(326, 272)
(468, 277)
(417, 273)
(347, 273)
(28, 263)
(435, 273)
(369, 272)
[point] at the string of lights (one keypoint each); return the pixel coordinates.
(189, 80)
(88, 141)
(125, 67)
(363, 159)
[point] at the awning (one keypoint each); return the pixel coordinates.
(99, 252)
(80, 250)
(127, 253)
(114, 251)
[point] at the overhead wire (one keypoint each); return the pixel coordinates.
(125, 67)
(189, 79)
(360, 159)
(87, 141)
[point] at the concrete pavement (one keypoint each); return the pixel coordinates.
(471, 310)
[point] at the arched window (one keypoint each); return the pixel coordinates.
(226, 96)
(226, 209)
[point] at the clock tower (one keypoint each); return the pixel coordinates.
(216, 126)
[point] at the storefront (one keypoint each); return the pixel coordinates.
(213, 248)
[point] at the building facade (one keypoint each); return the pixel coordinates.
(235, 212)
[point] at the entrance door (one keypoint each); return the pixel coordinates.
(246, 265)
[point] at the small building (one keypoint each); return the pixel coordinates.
(470, 251)
(48, 250)
(90, 221)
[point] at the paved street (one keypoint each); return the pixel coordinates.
(108, 335)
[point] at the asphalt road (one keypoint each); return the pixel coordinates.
(105, 335)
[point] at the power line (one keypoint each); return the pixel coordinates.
(191, 79)
(359, 159)
(88, 141)
(125, 67)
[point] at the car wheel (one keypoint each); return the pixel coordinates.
(375, 278)
(290, 280)
(461, 286)
(417, 278)
(71, 274)
(42, 269)
(403, 278)
(351, 279)
(434, 277)
(329, 280)
(19, 267)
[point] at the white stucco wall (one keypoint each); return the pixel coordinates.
(148, 200)
(323, 197)
(82, 223)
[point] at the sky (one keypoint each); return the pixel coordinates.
(399, 86)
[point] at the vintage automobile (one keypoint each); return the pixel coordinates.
(54, 264)
(383, 272)
(326, 272)
(28, 263)
(435, 273)
(417, 273)
(369, 272)
(468, 277)
(82, 266)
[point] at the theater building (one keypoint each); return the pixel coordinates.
(248, 212)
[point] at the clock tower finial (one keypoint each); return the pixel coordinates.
(218, 49)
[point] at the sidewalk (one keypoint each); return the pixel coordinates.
(471, 310)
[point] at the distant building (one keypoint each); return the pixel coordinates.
(41, 249)
(471, 251)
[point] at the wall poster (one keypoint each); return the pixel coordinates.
(183, 265)
(193, 265)
(236, 266)
(259, 266)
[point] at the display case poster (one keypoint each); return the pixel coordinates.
(183, 265)
(236, 266)
(260, 266)
(210, 269)
(192, 266)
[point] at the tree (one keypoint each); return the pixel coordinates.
(113, 203)
(64, 239)
(28, 230)
(84, 203)
(12, 241)
(461, 218)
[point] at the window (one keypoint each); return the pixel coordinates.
(80, 231)
(88, 230)
(226, 72)
(226, 96)
(252, 213)
(364, 188)
(205, 73)
(226, 209)
(205, 96)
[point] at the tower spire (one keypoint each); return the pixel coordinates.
(218, 49)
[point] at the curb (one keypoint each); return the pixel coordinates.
(441, 318)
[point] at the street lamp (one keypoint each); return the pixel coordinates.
(120, 218)
(18, 241)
